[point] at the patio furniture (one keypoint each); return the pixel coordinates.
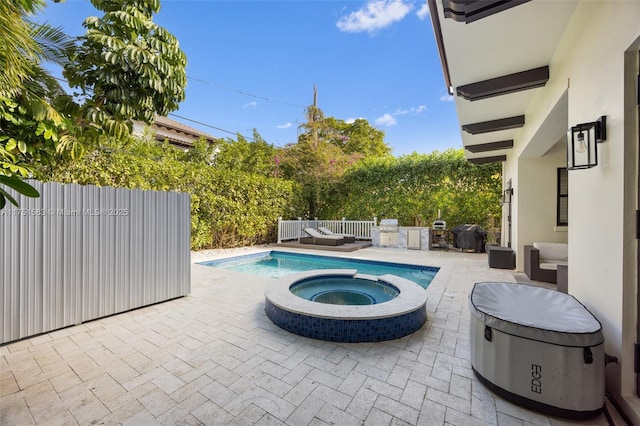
(538, 348)
(541, 260)
(348, 238)
(314, 237)
(563, 278)
(500, 257)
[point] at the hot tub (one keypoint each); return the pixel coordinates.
(376, 308)
(538, 348)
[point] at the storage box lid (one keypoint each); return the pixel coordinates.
(535, 313)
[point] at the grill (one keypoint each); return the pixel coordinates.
(389, 225)
(389, 232)
(469, 237)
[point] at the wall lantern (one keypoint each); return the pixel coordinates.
(582, 140)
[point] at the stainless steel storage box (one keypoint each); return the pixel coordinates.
(538, 348)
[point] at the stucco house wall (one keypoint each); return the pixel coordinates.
(599, 90)
(589, 65)
(537, 203)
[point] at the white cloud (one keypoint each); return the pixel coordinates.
(413, 110)
(252, 104)
(386, 120)
(447, 98)
(374, 16)
(389, 119)
(423, 12)
(285, 125)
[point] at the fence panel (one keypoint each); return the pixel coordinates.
(78, 253)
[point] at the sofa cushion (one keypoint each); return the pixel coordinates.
(552, 265)
(553, 252)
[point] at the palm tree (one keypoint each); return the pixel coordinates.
(26, 91)
(24, 45)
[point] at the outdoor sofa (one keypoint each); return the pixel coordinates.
(541, 260)
(314, 237)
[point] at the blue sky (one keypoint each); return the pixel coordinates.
(253, 64)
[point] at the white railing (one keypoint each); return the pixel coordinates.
(294, 229)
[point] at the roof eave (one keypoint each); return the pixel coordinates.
(437, 32)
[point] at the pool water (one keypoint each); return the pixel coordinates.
(341, 290)
(276, 264)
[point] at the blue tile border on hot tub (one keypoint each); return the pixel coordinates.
(347, 330)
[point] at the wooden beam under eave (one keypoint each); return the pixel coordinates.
(490, 146)
(485, 160)
(469, 11)
(516, 82)
(494, 125)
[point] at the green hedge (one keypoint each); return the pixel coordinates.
(233, 208)
(228, 208)
(413, 188)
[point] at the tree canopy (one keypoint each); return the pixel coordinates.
(357, 137)
(230, 207)
(415, 187)
(126, 66)
(326, 148)
(256, 156)
(31, 128)
(18, 48)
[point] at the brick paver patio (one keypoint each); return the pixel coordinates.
(214, 358)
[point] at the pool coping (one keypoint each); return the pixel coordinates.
(269, 252)
(219, 262)
(411, 298)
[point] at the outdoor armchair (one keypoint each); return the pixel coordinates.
(541, 260)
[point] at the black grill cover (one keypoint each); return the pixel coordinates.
(469, 237)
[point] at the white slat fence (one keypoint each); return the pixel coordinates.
(294, 229)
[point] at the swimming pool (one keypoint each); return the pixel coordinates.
(276, 264)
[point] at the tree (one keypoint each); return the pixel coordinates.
(317, 167)
(18, 49)
(413, 188)
(31, 129)
(316, 161)
(358, 137)
(229, 208)
(126, 66)
(326, 148)
(256, 156)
